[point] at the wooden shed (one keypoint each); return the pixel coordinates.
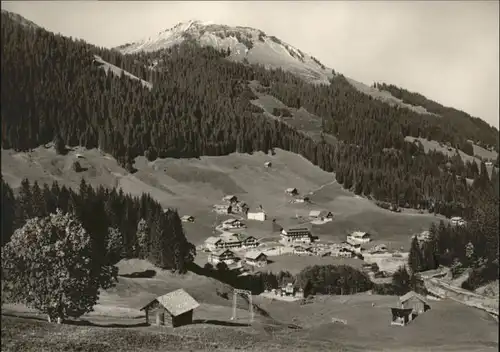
(414, 301)
(173, 309)
(401, 317)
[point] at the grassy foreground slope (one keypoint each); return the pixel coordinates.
(117, 325)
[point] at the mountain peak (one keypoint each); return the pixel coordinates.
(246, 44)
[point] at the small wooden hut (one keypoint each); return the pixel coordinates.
(173, 309)
(414, 301)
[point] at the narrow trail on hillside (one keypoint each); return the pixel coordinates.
(322, 186)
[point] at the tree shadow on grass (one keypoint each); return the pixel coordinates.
(218, 322)
(77, 322)
(146, 274)
(83, 322)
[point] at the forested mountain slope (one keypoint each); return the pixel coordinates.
(462, 121)
(200, 104)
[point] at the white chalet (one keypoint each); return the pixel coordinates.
(298, 234)
(292, 191)
(232, 224)
(358, 237)
(256, 258)
(258, 215)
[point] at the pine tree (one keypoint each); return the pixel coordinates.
(8, 212)
(38, 204)
(25, 201)
(401, 281)
(415, 260)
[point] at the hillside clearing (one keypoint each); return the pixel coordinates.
(193, 186)
(439, 147)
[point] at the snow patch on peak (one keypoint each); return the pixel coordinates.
(245, 44)
(253, 46)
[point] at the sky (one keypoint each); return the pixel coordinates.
(445, 50)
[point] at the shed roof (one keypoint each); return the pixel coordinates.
(254, 255)
(359, 234)
(411, 294)
(297, 229)
(220, 252)
(315, 213)
(212, 240)
(187, 217)
(176, 302)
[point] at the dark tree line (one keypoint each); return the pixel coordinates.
(317, 279)
(145, 230)
(473, 128)
(200, 104)
(474, 245)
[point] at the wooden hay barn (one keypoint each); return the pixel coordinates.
(173, 309)
(417, 303)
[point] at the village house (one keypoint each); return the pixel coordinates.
(342, 252)
(378, 249)
(267, 164)
(457, 221)
(230, 199)
(248, 241)
(401, 317)
(222, 256)
(238, 240)
(232, 224)
(358, 237)
(292, 191)
(314, 214)
(214, 243)
(223, 209)
(354, 248)
(187, 218)
(302, 250)
(488, 163)
(256, 258)
(298, 234)
(240, 207)
(288, 289)
(173, 309)
(301, 200)
(423, 236)
(417, 303)
(258, 215)
(320, 215)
